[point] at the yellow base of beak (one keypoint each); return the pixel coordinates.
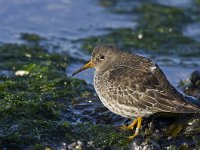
(86, 66)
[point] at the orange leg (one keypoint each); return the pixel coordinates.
(131, 126)
(139, 122)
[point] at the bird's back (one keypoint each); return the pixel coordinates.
(135, 86)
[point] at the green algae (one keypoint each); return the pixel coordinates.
(14, 56)
(31, 104)
(34, 98)
(106, 3)
(102, 135)
(197, 2)
(174, 130)
(31, 37)
(184, 147)
(159, 30)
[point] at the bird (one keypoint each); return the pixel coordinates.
(134, 86)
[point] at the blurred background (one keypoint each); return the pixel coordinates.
(168, 32)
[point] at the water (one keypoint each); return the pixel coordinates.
(63, 21)
(176, 3)
(193, 31)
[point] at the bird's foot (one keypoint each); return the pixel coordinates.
(134, 135)
(126, 127)
(129, 127)
(137, 121)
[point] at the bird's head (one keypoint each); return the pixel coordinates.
(102, 57)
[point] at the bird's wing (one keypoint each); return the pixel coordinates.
(142, 89)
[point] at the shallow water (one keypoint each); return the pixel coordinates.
(176, 3)
(60, 20)
(193, 30)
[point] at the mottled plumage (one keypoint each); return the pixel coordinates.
(133, 86)
(130, 87)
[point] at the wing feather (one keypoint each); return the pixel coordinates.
(142, 88)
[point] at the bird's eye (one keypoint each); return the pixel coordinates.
(102, 57)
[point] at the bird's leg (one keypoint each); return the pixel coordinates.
(139, 121)
(130, 126)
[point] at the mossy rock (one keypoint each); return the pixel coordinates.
(102, 136)
(34, 95)
(31, 37)
(33, 103)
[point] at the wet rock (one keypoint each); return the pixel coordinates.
(32, 104)
(63, 146)
(92, 110)
(184, 147)
(140, 143)
(193, 125)
(78, 145)
(192, 86)
(197, 141)
(195, 78)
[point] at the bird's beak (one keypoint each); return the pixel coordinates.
(90, 64)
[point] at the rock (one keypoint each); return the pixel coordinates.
(192, 87)
(195, 78)
(78, 145)
(140, 143)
